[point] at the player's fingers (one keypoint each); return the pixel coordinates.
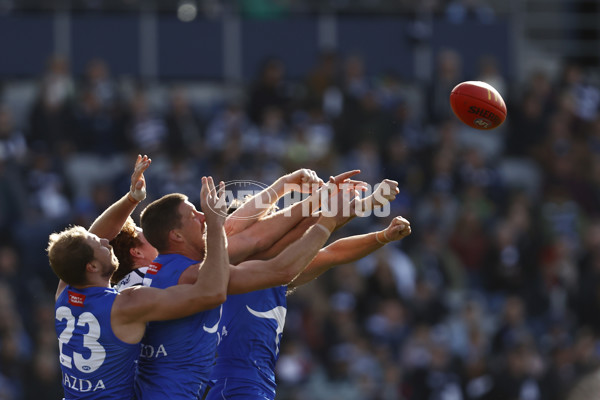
(145, 163)
(221, 191)
(358, 184)
(315, 178)
(345, 175)
(400, 219)
(204, 188)
(211, 185)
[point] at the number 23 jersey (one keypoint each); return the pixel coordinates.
(95, 363)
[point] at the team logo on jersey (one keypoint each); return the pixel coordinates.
(278, 314)
(215, 327)
(153, 268)
(76, 299)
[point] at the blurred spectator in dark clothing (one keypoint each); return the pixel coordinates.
(470, 243)
(513, 329)
(587, 298)
(407, 125)
(146, 130)
(476, 170)
(363, 119)
(520, 377)
(527, 126)
(585, 351)
(427, 305)
(440, 379)
(13, 146)
(44, 380)
(20, 277)
(273, 136)
(355, 82)
(479, 381)
(561, 374)
(13, 200)
(322, 78)
(585, 96)
(95, 129)
(448, 74)
(50, 116)
(185, 130)
(507, 262)
(269, 90)
(15, 343)
(47, 189)
(433, 261)
(98, 81)
(389, 324)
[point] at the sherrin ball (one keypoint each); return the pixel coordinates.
(478, 105)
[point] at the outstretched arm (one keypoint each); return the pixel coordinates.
(109, 223)
(255, 275)
(263, 234)
(257, 206)
(352, 248)
(260, 236)
(290, 237)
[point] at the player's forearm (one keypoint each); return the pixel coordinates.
(341, 251)
(256, 275)
(299, 254)
(255, 207)
(213, 275)
(266, 232)
(290, 237)
(109, 223)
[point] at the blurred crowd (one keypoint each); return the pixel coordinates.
(495, 295)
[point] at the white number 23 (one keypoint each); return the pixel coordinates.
(90, 341)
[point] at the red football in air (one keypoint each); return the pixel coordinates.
(478, 105)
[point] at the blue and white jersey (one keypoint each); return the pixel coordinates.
(134, 278)
(178, 355)
(251, 329)
(95, 363)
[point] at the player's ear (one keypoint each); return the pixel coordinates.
(175, 235)
(135, 252)
(90, 267)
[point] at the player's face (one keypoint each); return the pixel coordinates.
(149, 252)
(193, 223)
(103, 255)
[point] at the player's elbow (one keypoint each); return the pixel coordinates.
(215, 299)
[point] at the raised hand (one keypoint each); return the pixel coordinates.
(305, 179)
(399, 228)
(343, 179)
(339, 206)
(137, 190)
(213, 202)
(385, 192)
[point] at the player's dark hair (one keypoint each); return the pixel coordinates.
(160, 217)
(69, 253)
